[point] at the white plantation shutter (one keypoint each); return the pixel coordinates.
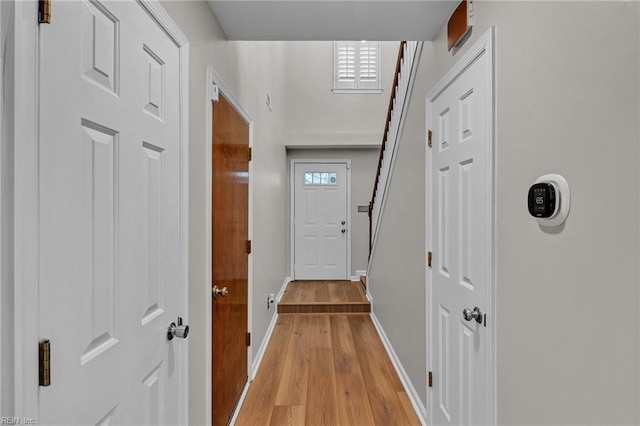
(368, 62)
(346, 64)
(357, 65)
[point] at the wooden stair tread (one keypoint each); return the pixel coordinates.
(324, 297)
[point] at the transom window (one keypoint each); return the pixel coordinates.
(356, 67)
(320, 178)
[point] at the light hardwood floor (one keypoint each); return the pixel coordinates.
(326, 369)
(324, 297)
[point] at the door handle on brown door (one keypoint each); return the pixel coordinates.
(219, 291)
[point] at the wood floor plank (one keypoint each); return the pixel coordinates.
(318, 330)
(292, 389)
(380, 379)
(344, 351)
(322, 400)
(336, 293)
(287, 415)
(260, 399)
(321, 292)
(408, 409)
(305, 291)
(312, 308)
(353, 401)
(327, 369)
(367, 340)
(287, 296)
(354, 292)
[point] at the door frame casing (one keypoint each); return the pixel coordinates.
(485, 45)
(213, 78)
(292, 246)
(26, 110)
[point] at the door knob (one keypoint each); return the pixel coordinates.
(476, 314)
(179, 330)
(344, 223)
(219, 291)
(343, 231)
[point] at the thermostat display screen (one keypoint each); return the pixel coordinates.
(542, 200)
(539, 195)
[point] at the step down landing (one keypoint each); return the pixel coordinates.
(332, 297)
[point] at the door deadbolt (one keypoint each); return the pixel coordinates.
(179, 330)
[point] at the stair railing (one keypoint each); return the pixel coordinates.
(404, 75)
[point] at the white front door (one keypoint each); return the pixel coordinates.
(461, 241)
(320, 221)
(110, 217)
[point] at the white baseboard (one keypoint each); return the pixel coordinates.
(260, 354)
(236, 410)
(421, 411)
(358, 274)
(283, 288)
(267, 336)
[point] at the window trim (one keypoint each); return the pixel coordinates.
(338, 89)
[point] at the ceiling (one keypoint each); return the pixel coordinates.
(332, 19)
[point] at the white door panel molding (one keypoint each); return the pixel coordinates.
(460, 210)
(320, 220)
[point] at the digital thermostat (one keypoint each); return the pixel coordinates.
(549, 200)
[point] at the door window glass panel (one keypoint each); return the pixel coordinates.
(320, 178)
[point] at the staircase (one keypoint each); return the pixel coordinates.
(406, 67)
(331, 297)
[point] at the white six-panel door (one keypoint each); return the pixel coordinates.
(110, 242)
(460, 234)
(320, 221)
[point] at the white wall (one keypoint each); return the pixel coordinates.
(567, 101)
(249, 69)
(363, 169)
(6, 210)
(396, 278)
(317, 116)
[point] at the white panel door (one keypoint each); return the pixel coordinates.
(320, 221)
(461, 244)
(110, 246)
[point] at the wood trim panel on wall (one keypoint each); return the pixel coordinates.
(458, 24)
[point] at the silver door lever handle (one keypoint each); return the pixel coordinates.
(179, 330)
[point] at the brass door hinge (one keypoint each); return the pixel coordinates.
(44, 356)
(429, 138)
(248, 339)
(430, 379)
(248, 246)
(249, 153)
(44, 11)
(429, 259)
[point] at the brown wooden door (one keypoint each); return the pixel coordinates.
(230, 259)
